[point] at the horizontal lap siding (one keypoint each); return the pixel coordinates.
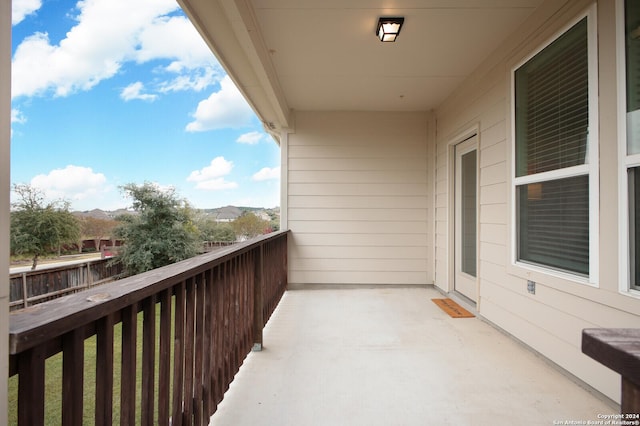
(551, 320)
(359, 199)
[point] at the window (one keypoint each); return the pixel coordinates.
(632, 130)
(554, 182)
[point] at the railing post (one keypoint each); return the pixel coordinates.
(25, 298)
(258, 320)
(89, 275)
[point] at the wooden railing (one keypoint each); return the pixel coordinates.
(208, 246)
(32, 287)
(618, 349)
(212, 309)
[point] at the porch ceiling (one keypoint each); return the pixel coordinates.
(324, 55)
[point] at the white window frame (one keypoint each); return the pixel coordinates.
(625, 161)
(590, 168)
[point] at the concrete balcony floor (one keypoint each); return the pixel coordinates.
(392, 357)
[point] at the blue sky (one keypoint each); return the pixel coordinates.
(109, 92)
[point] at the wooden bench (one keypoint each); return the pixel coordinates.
(618, 349)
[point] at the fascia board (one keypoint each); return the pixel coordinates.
(239, 48)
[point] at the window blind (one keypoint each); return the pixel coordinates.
(634, 225)
(552, 105)
(632, 47)
(552, 123)
(554, 223)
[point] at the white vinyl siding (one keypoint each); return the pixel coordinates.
(551, 320)
(359, 199)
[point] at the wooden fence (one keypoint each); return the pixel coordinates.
(212, 309)
(32, 287)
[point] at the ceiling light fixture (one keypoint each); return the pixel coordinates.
(389, 28)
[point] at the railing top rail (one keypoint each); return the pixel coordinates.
(40, 323)
(44, 268)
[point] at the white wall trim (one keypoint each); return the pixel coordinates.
(431, 170)
(469, 132)
(5, 143)
(284, 179)
(624, 161)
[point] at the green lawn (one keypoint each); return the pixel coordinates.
(53, 379)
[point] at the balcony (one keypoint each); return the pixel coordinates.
(336, 356)
(383, 356)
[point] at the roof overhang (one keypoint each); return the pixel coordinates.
(231, 31)
(311, 55)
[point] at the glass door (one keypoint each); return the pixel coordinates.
(466, 202)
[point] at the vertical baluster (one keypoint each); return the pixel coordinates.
(104, 372)
(248, 303)
(199, 348)
(237, 285)
(226, 378)
(187, 416)
(128, 370)
(148, 360)
(31, 387)
(247, 332)
(258, 311)
(219, 333)
(207, 345)
(266, 282)
(178, 355)
(232, 323)
(239, 352)
(249, 307)
(165, 358)
(72, 377)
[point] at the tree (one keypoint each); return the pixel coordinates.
(210, 230)
(159, 232)
(274, 222)
(249, 226)
(96, 229)
(39, 228)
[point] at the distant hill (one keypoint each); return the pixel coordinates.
(95, 213)
(222, 214)
(103, 214)
(230, 213)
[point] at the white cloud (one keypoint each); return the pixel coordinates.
(108, 34)
(250, 138)
(218, 167)
(211, 177)
(267, 173)
(83, 187)
(217, 184)
(17, 116)
(224, 109)
(134, 91)
(174, 38)
(197, 80)
(20, 9)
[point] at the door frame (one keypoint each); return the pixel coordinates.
(470, 132)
